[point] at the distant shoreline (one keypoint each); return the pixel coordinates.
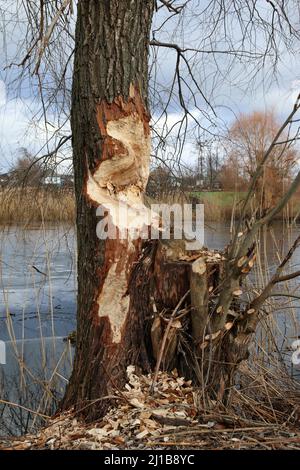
(57, 205)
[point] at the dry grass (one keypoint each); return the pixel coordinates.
(214, 212)
(30, 205)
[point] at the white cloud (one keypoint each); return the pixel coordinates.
(14, 133)
(2, 93)
(280, 99)
(19, 128)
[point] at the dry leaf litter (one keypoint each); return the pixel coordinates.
(166, 419)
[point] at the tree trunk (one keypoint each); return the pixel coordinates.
(111, 145)
(129, 290)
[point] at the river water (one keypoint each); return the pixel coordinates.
(38, 311)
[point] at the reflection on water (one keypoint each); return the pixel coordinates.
(38, 310)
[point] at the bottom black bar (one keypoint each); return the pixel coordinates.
(148, 458)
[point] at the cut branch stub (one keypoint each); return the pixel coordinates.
(174, 274)
(199, 298)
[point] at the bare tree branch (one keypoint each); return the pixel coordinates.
(171, 7)
(46, 38)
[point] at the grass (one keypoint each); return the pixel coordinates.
(21, 205)
(220, 198)
(219, 205)
(32, 382)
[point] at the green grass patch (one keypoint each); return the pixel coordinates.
(219, 198)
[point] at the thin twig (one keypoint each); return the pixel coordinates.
(163, 344)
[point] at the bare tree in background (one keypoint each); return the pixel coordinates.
(26, 171)
(249, 138)
(161, 182)
(129, 290)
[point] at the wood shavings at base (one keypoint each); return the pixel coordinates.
(167, 419)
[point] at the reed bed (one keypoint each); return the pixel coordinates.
(263, 414)
(36, 204)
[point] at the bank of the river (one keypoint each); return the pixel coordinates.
(32, 205)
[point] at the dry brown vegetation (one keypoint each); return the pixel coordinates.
(30, 205)
(249, 138)
(216, 210)
(223, 206)
(264, 414)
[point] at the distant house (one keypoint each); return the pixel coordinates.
(52, 181)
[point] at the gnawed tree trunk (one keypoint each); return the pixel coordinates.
(111, 143)
(147, 303)
(126, 288)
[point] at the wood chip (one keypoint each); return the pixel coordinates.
(237, 293)
(251, 311)
(212, 336)
(142, 434)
